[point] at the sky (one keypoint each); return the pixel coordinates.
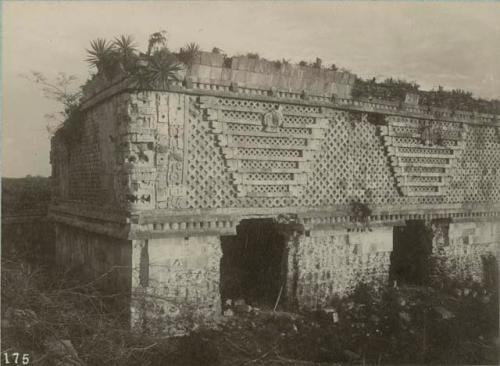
(454, 44)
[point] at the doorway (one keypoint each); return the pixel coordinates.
(253, 264)
(412, 249)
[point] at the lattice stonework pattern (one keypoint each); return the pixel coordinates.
(477, 177)
(423, 153)
(174, 152)
(350, 166)
(268, 147)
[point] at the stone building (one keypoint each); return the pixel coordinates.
(256, 180)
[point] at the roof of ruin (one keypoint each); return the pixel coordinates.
(257, 78)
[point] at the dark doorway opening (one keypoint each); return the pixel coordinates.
(253, 264)
(490, 271)
(410, 257)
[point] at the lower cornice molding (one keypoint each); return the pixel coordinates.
(159, 223)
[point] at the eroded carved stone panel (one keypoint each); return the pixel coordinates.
(151, 152)
(171, 150)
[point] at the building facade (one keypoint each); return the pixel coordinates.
(263, 181)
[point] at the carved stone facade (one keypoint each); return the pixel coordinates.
(423, 153)
(161, 176)
(267, 148)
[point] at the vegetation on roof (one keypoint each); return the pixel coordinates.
(158, 66)
(395, 90)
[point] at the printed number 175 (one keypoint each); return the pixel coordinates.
(16, 358)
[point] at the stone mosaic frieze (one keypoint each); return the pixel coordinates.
(423, 154)
(267, 149)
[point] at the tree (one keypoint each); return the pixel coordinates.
(157, 41)
(62, 90)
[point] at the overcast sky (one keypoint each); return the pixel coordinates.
(452, 44)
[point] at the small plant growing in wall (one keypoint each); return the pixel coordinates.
(360, 213)
(290, 224)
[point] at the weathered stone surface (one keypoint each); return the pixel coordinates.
(152, 179)
(461, 252)
(175, 284)
(95, 256)
(331, 263)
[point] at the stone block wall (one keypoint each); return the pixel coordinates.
(85, 157)
(175, 283)
(331, 263)
(95, 257)
(255, 73)
(460, 248)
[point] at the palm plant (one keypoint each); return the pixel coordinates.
(162, 69)
(126, 49)
(100, 54)
(156, 71)
(188, 53)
